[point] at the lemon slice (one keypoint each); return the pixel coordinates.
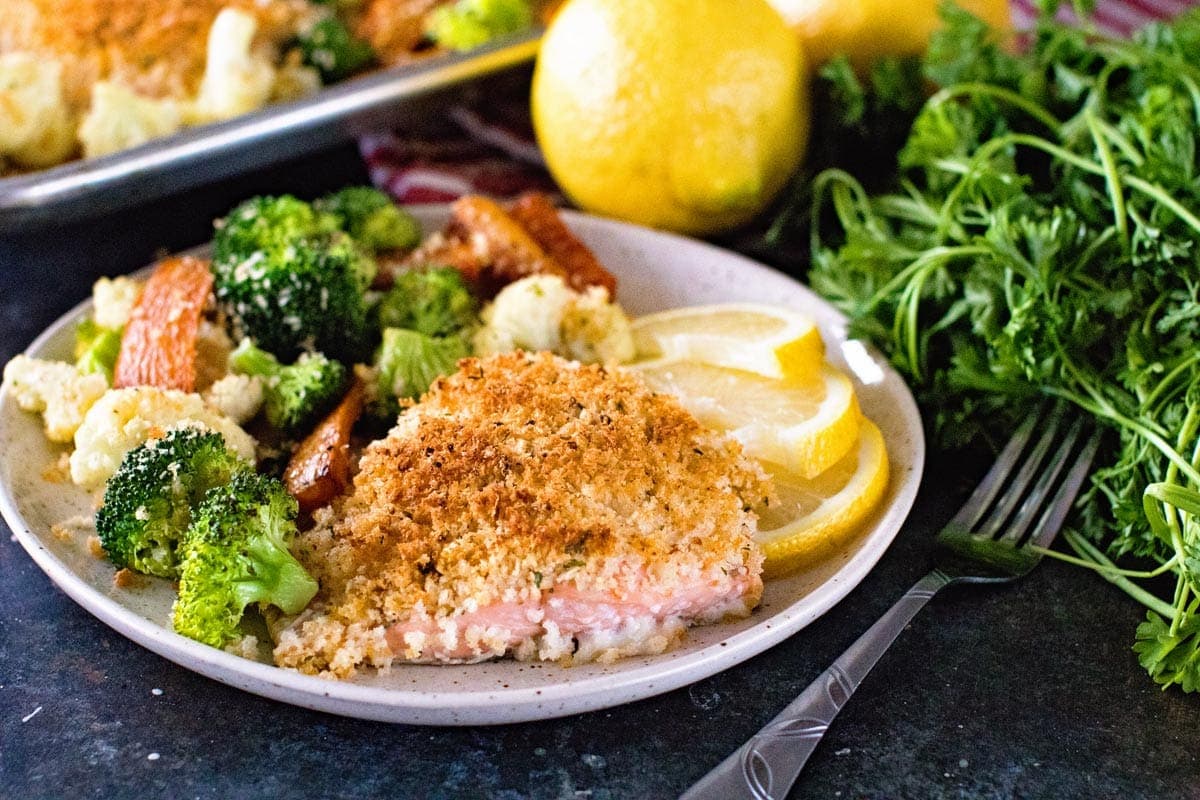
(768, 340)
(812, 517)
(806, 427)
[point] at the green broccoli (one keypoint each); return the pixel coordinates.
(294, 395)
(289, 280)
(96, 348)
(266, 223)
(148, 501)
(408, 362)
(235, 553)
(435, 302)
(467, 24)
(371, 218)
(333, 50)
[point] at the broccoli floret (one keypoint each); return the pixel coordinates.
(408, 362)
(290, 281)
(236, 553)
(148, 501)
(372, 219)
(294, 395)
(435, 302)
(335, 52)
(266, 223)
(468, 24)
(96, 348)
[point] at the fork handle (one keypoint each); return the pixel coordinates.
(765, 767)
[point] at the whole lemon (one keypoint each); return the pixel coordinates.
(688, 115)
(865, 30)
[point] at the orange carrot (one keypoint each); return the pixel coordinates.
(508, 251)
(158, 347)
(320, 468)
(535, 213)
(438, 250)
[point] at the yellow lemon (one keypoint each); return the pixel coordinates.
(805, 426)
(768, 340)
(865, 30)
(688, 115)
(812, 517)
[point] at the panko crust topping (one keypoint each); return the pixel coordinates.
(518, 474)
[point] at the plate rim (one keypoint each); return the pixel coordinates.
(670, 671)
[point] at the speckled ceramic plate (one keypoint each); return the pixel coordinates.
(656, 271)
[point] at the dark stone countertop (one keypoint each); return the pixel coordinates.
(1028, 691)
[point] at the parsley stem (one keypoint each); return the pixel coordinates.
(1194, 91)
(1165, 382)
(1113, 179)
(1061, 153)
(1157, 193)
(1035, 110)
(1106, 411)
(1113, 569)
(1111, 573)
(1171, 505)
(830, 182)
(1181, 593)
(1119, 139)
(930, 258)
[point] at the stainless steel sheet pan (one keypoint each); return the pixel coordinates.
(388, 97)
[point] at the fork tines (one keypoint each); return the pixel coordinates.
(1026, 496)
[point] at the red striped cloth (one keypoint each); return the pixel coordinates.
(497, 155)
(491, 156)
(1114, 18)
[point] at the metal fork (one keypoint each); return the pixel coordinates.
(1022, 501)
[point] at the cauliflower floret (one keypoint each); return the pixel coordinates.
(124, 418)
(237, 77)
(595, 330)
(294, 80)
(113, 299)
(542, 313)
(525, 315)
(238, 397)
(57, 390)
(119, 119)
(36, 125)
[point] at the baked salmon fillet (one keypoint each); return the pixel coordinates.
(533, 507)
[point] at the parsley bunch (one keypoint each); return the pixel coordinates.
(1040, 237)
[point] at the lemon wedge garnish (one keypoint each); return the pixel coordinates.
(806, 427)
(757, 373)
(768, 340)
(812, 517)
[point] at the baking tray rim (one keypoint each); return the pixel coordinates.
(321, 119)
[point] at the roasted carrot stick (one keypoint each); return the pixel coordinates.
(508, 251)
(535, 213)
(439, 250)
(158, 347)
(320, 468)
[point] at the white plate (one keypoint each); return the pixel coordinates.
(656, 271)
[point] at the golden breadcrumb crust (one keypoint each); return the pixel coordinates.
(516, 474)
